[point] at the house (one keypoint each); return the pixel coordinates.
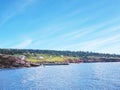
(62, 56)
(22, 57)
(40, 58)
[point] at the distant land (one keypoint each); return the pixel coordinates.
(10, 58)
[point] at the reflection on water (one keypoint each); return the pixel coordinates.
(84, 76)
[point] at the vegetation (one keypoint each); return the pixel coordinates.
(60, 56)
(57, 53)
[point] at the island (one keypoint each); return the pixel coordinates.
(15, 58)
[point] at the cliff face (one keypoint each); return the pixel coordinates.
(11, 61)
(7, 61)
(90, 60)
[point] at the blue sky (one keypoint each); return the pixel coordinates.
(76, 25)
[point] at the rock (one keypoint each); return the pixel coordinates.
(35, 64)
(7, 61)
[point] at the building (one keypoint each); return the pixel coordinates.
(40, 58)
(22, 57)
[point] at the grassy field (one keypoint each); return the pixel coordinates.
(47, 58)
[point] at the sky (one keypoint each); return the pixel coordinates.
(75, 25)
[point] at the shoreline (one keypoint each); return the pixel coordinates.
(8, 61)
(50, 64)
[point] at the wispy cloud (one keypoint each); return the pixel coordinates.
(77, 25)
(98, 29)
(94, 45)
(114, 49)
(6, 18)
(23, 44)
(25, 4)
(10, 13)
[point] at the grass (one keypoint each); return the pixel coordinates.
(46, 58)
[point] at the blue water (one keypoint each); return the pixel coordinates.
(84, 76)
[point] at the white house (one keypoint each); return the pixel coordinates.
(40, 58)
(22, 57)
(62, 56)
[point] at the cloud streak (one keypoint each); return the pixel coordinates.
(10, 13)
(23, 44)
(96, 44)
(80, 25)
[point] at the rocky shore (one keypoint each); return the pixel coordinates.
(7, 61)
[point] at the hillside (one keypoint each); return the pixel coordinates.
(30, 57)
(81, 54)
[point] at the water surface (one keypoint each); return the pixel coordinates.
(83, 76)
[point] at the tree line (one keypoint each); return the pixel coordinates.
(57, 53)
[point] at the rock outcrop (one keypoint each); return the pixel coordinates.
(7, 61)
